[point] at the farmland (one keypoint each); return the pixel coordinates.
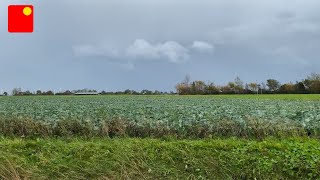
(160, 137)
(157, 116)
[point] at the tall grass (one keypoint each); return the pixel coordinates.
(135, 158)
(119, 127)
(10, 171)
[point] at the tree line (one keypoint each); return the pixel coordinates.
(20, 92)
(309, 85)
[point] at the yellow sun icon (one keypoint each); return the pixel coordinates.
(27, 11)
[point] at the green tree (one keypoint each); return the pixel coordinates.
(300, 88)
(38, 92)
(231, 86)
(312, 83)
(287, 88)
(49, 93)
(273, 85)
(146, 92)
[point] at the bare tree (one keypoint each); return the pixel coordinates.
(238, 84)
(16, 91)
(253, 87)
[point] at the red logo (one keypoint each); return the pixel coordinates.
(20, 18)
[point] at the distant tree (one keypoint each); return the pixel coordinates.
(263, 87)
(134, 92)
(247, 88)
(5, 94)
(188, 87)
(227, 89)
(67, 92)
(238, 85)
(287, 88)
(27, 93)
(38, 92)
(128, 91)
(315, 87)
(314, 77)
(16, 91)
(312, 83)
(182, 89)
(198, 87)
(211, 89)
(186, 80)
(48, 93)
(232, 87)
(103, 92)
(253, 87)
(146, 92)
(157, 92)
(186, 84)
(300, 88)
(273, 85)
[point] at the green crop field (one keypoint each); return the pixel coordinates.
(154, 116)
(160, 137)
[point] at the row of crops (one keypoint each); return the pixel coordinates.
(177, 115)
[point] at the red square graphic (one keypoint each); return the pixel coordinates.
(20, 18)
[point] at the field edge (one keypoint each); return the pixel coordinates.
(135, 158)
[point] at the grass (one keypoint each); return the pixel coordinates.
(133, 158)
(258, 129)
(118, 149)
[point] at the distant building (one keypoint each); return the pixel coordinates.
(86, 93)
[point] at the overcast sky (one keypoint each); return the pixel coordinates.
(153, 44)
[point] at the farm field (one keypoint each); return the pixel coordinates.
(160, 137)
(156, 116)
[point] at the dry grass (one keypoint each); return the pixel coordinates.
(10, 171)
(119, 127)
(136, 158)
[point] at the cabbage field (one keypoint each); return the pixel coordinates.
(157, 116)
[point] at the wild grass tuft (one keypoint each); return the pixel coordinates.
(120, 127)
(135, 158)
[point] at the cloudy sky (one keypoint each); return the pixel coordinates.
(153, 44)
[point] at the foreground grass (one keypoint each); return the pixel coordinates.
(132, 158)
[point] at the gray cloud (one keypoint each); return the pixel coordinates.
(285, 55)
(286, 15)
(202, 46)
(90, 50)
(170, 50)
(94, 43)
(141, 49)
(173, 51)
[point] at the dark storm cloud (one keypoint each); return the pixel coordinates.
(153, 43)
